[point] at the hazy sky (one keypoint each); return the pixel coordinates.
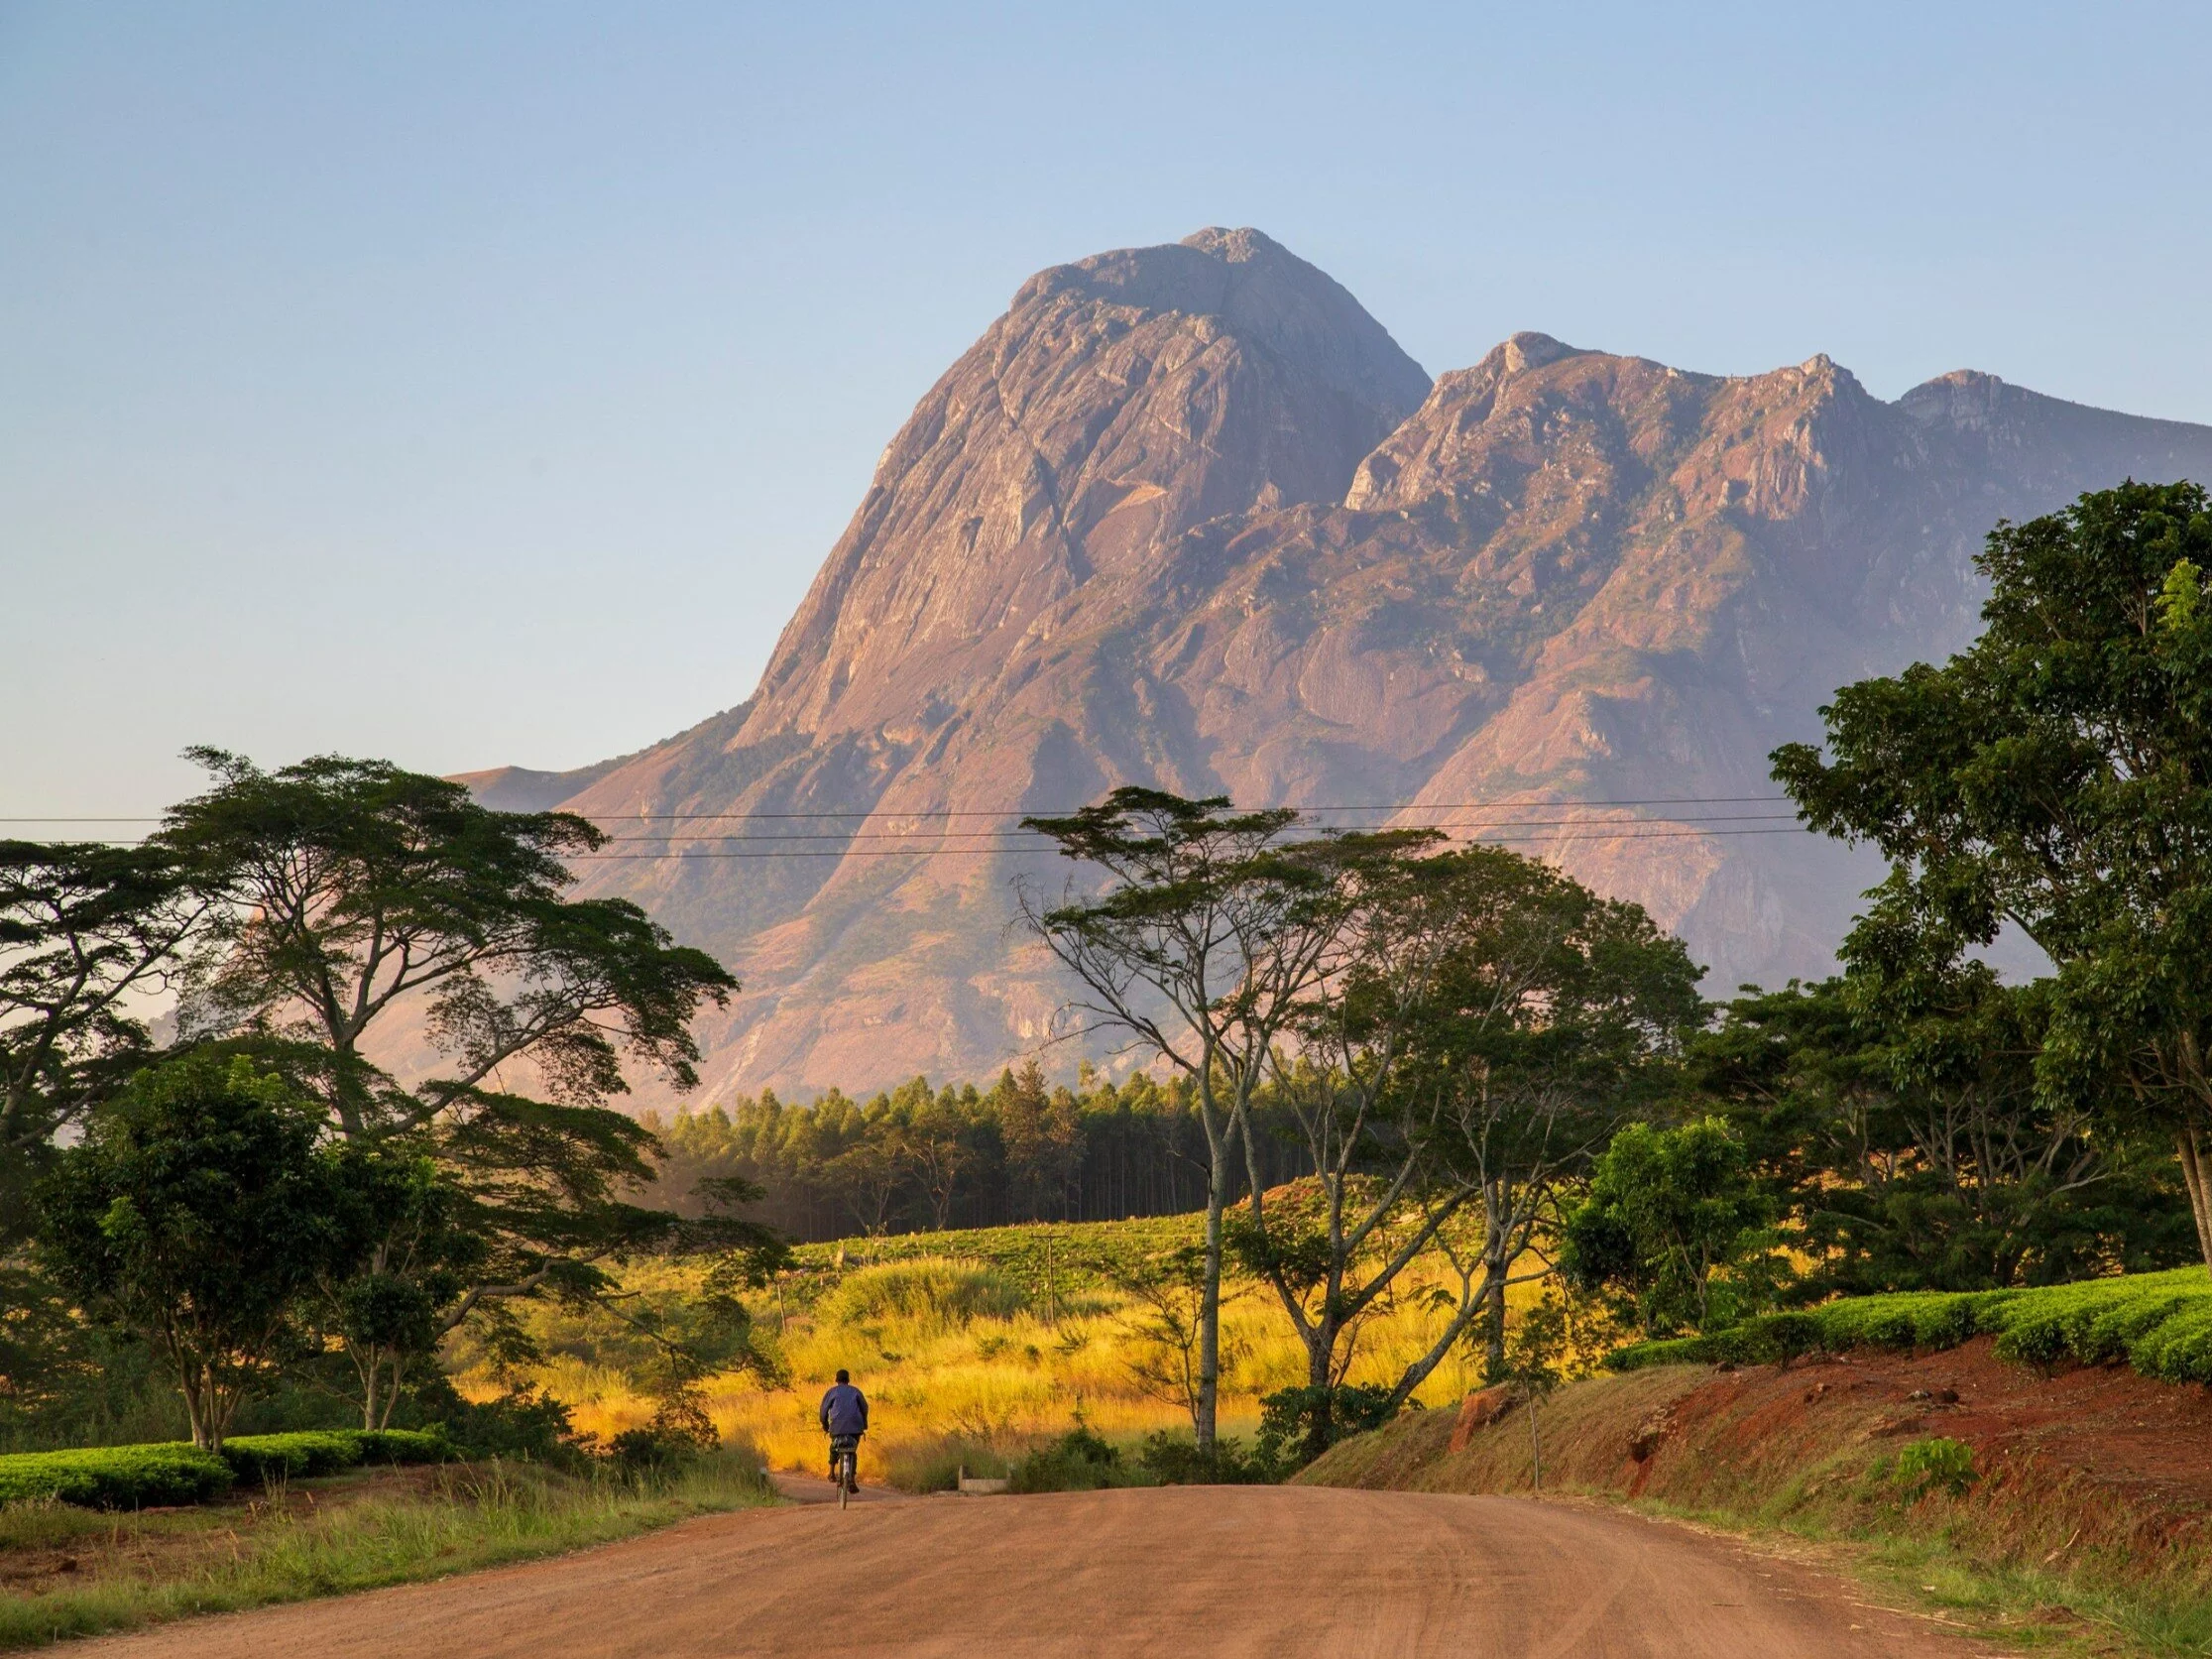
(483, 383)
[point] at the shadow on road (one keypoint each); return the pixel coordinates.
(812, 1489)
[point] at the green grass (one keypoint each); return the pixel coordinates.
(2158, 1322)
(467, 1518)
(1046, 1259)
(2023, 1607)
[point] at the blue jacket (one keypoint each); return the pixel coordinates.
(845, 1410)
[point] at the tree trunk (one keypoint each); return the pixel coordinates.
(1536, 1448)
(1321, 1354)
(1210, 1314)
(1493, 1320)
(2187, 1146)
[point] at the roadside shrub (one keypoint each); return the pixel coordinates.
(1077, 1462)
(650, 1450)
(1173, 1460)
(140, 1477)
(1288, 1418)
(296, 1456)
(115, 1476)
(402, 1445)
(931, 1294)
(526, 1425)
(307, 1453)
(933, 1464)
(1939, 1465)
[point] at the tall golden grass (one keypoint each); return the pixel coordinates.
(950, 1350)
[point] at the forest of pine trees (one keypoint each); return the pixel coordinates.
(920, 1159)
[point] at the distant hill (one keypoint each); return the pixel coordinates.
(1187, 515)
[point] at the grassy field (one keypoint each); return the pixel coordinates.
(72, 1571)
(1017, 1333)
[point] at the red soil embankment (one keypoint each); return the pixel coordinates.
(2085, 1470)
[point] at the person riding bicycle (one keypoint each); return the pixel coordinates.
(844, 1417)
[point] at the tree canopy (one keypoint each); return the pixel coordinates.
(2056, 775)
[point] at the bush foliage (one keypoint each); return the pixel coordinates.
(140, 1477)
(2158, 1322)
(115, 1476)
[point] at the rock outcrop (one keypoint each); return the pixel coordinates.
(1187, 515)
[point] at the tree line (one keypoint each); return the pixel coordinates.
(916, 1158)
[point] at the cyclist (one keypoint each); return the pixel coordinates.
(844, 1417)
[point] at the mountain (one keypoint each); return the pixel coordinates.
(1188, 515)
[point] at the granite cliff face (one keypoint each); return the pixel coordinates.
(1188, 515)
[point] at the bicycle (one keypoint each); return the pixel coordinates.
(846, 1465)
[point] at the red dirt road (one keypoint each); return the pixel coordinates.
(1194, 1570)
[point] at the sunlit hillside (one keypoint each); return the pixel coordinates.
(971, 1346)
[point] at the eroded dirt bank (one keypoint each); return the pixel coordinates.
(1194, 1570)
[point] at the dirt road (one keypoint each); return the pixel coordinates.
(1195, 1570)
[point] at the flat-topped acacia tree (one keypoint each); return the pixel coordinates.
(350, 895)
(2057, 776)
(1211, 932)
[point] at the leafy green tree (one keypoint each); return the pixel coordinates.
(2057, 776)
(1565, 1016)
(1041, 1131)
(1484, 1023)
(351, 895)
(406, 1255)
(1892, 1116)
(88, 934)
(198, 1212)
(1667, 1208)
(936, 1137)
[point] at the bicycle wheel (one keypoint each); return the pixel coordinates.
(845, 1480)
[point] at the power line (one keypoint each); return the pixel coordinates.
(674, 836)
(1011, 814)
(925, 852)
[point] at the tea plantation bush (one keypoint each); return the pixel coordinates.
(2158, 1322)
(265, 1457)
(142, 1477)
(115, 1476)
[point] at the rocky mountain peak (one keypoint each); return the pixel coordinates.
(1121, 400)
(1187, 515)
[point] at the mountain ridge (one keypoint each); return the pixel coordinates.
(1187, 515)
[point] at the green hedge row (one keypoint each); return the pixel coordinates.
(2158, 1322)
(115, 1476)
(265, 1457)
(140, 1477)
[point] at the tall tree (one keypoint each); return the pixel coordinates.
(1198, 952)
(89, 936)
(1563, 1017)
(1360, 1085)
(2057, 776)
(350, 893)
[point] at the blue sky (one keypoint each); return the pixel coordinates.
(475, 384)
